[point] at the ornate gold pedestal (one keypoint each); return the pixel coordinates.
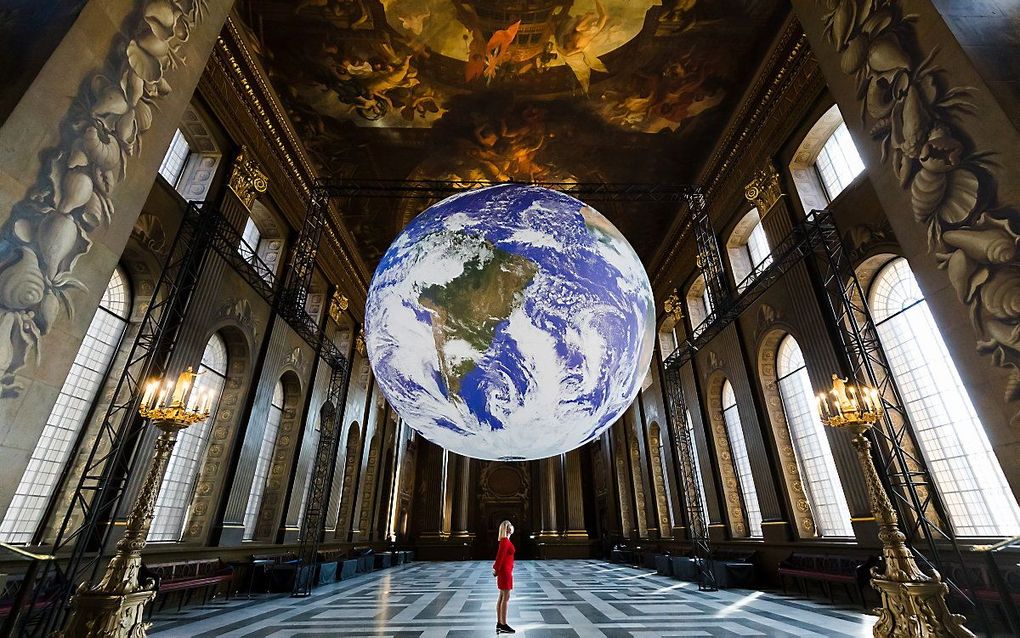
(913, 603)
(116, 606)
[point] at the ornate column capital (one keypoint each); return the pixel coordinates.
(764, 189)
(673, 306)
(247, 179)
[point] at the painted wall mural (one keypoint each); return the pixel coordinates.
(920, 119)
(48, 231)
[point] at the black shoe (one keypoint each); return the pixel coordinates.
(506, 629)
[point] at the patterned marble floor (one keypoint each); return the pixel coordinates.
(551, 599)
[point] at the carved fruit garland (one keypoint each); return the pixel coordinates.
(916, 117)
(48, 231)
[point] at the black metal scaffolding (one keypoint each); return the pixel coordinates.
(84, 534)
(906, 478)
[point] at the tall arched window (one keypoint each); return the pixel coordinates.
(702, 497)
(699, 305)
(952, 440)
(67, 418)
(738, 451)
(265, 458)
(178, 486)
(748, 248)
(810, 446)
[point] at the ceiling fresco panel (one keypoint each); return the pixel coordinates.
(529, 90)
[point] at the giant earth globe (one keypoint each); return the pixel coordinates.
(510, 322)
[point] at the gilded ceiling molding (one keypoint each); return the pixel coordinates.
(49, 230)
(918, 115)
(247, 179)
(764, 189)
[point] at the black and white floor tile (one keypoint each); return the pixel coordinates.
(551, 599)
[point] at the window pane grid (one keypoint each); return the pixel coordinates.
(810, 445)
(178, 485)
(263, 461)
(741, 461)
(66, 419)
(838, 162)
(952, 439)
(176, 157)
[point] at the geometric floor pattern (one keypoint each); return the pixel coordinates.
(551, 599)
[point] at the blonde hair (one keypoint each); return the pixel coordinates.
(504, 529)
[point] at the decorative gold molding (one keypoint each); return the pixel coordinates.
(674, 306)
(764, 189)
(338, 305)
(247, 179)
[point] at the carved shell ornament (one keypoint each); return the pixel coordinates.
(48, 231)
(920, 119)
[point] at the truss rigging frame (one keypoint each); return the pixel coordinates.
(904, 473)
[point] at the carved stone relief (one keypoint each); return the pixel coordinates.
(48, 231)
(659, 479)
(727, 469)
(781, 433)
(920, 118)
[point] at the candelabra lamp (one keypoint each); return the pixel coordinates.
(913, 603)
(115, 607)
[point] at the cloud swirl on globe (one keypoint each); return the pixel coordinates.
(510, 322)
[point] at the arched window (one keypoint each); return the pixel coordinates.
(178, 486)
(265, 458)
(951, 438)
(810, 446)
(838, 163)
(738, 451)
(67, 418)
(748, 248)
(699, 305)
(702, 497)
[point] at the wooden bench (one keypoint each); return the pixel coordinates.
(827, 570)
(184, 578)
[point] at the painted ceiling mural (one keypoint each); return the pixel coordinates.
(549, 90)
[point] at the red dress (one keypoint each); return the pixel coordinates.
(504, 565)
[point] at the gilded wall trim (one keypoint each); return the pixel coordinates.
(920, 119)
(50, 229)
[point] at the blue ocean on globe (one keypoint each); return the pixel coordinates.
(510, 322)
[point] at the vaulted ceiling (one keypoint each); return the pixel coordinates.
(528, 90)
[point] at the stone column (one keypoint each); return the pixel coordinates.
(70, 194)
(461, 521)
(574, 495)
(547, 472)
(948, 205)
(450, 464)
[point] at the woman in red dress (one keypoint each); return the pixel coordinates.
(503, 570)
